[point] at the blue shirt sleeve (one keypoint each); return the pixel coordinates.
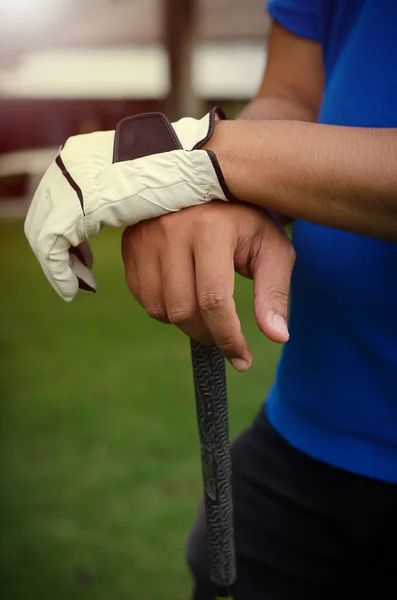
(301, 17)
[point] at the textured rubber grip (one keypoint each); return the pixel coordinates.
(212, 413)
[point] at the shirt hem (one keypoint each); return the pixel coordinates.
(327, 446)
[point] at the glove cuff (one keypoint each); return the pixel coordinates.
(215, 114)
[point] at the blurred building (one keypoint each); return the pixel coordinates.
(91, 57)
(71, 66)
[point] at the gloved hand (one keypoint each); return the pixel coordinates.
(83, 191)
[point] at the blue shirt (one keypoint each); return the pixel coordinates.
(335, 395)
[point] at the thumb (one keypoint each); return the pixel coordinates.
(272, 276)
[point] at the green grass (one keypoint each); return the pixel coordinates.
(99, 463)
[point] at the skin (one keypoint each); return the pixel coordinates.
(341, 177)
(180, 267)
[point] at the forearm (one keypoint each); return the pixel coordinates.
(272, 108)
(341, 177)
(277, 108)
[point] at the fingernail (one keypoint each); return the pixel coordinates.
(280, 324)
(239, 364)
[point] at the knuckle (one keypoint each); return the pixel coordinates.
(205, 219)
(229, 344)
(156, 311)
(212, 301)
(168, 224)
(180, 314)
(278, 295)
(209, 219)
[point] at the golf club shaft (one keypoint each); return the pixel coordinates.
(213, 424)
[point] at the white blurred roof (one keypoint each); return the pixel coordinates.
(39, 24)
(33, 162)
(114, 48)
(224, 70)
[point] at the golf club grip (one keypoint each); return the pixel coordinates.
(212, 414)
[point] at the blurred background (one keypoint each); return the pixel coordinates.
(99, 460)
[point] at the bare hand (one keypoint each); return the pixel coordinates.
(180, 268)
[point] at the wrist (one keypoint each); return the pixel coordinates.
(222, 146)
(235, 161)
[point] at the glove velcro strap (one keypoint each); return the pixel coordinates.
(152, 133)
(143, 135)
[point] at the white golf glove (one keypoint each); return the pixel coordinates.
(83, 190)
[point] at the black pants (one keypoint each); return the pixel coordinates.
(304, 530)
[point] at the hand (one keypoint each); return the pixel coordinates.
(180, 268)
(83, 190)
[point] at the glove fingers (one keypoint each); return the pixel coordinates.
(86, 279)
(40, 208)
(67, 273)
(57, 269)
(84, 253)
